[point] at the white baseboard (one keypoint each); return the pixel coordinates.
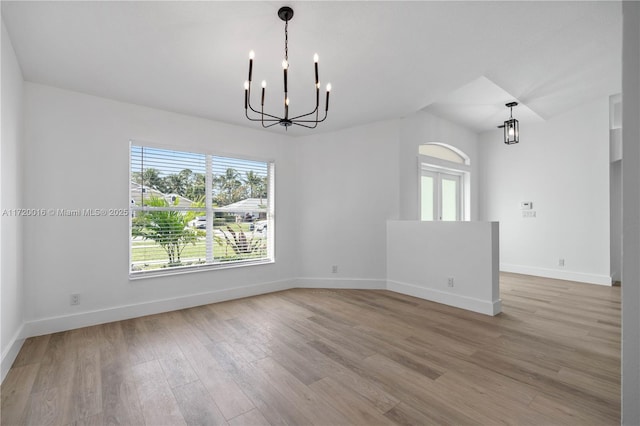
(476, 305)
(9, 355)
(86, 319)
(346, 283)
(557, 274)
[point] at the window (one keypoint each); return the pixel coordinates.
(440, 196)
(444, 182)
(442, 152)
(193, 211)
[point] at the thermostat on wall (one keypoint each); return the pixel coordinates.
(526, 205)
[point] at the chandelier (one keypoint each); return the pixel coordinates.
(305, 120)
(511, 127)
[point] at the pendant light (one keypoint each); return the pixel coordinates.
(511, 127)
(309, 120)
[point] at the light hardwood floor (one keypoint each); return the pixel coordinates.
(329, 357)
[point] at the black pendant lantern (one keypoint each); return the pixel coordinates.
(511, 127)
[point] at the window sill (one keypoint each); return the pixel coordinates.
(135, 276)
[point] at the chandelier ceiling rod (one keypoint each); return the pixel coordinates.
(267, 120)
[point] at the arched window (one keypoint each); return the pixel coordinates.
(444, 182)
(443, 152)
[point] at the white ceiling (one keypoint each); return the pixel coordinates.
(460, 60)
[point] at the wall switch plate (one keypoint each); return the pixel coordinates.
(526, 205)
(334, 269)
(75, 299)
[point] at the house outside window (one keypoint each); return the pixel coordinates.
(193, 211)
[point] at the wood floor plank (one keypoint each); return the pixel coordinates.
(197, 406)
(223, 389)
(265, 396)
(405, 415)
(421, 392)
(94, 420)
(50, 406)
(354, 407)
(253, 418)
(120, 402)
(318, 411)
(86, 389)
(159, 405)
(15, 392)
(58, 362)
(135, 336)
(113, 347)
(219, 383)
(32, 350)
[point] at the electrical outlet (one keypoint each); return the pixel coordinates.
(75, 299)
(334, 269)
(450, 282)
(561, 262)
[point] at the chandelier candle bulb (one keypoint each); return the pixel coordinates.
(285, 66)
(251, 56)
(246, 94)
(327, 101)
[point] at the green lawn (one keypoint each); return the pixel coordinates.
(146, 254)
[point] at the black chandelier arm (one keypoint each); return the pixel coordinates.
(315, 111)
(270, 125)
(276, 119)
(261, 114)
(258, 112)
(304, 125)
(313, 121)
(279, 119)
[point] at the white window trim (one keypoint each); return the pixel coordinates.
(438, 166)
(178, 270)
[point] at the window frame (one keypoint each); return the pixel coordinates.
(436, 167)
(210, 214)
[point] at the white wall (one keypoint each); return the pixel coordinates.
(423, 256)
(421, 128)
(562, 166)
(77, 156)
(11, 293)
(631, 214)
(370, 174)
(347, 189)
